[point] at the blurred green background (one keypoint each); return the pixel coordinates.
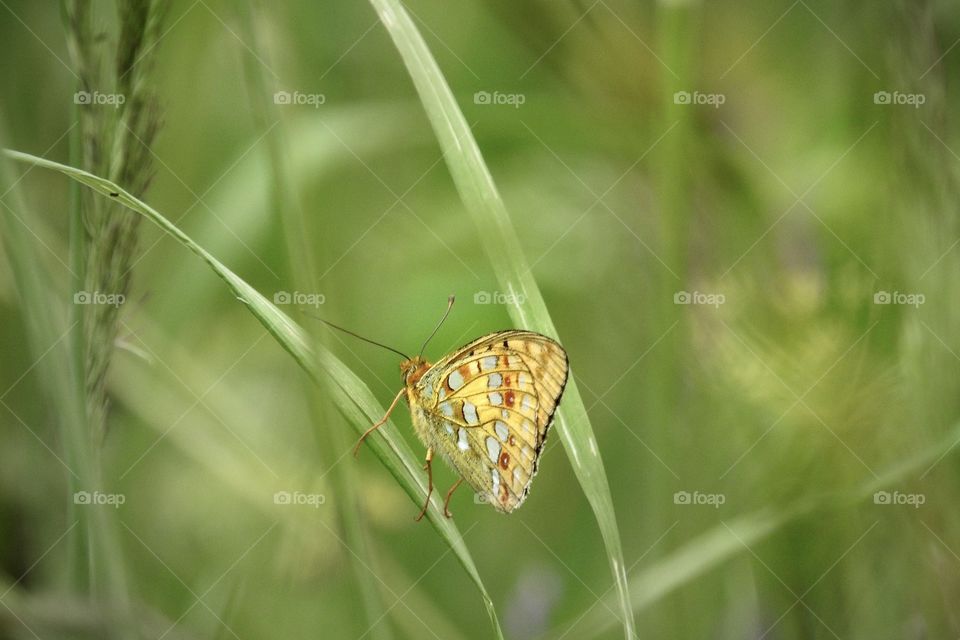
(742, 217)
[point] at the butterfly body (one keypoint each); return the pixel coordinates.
(486, 409)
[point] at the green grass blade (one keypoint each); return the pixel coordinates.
(50, 340)
(483, 202)
(349, 392)
(303, 276)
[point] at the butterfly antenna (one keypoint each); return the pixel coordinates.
(357, 335)
(450, 301)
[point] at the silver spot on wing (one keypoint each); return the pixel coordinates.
(470, 413)
(493, 449)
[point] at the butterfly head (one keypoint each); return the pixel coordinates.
(413, 369)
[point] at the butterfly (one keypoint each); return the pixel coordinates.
(486, 409)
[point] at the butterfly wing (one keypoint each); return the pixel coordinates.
(487, 409)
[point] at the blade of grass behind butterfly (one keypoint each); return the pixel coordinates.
(284, 199)
(351, 395)
(50, 342)
(480, 196)
(736, 536)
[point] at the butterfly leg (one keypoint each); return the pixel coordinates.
(380, 423)
(429, 469)
(446, 503)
